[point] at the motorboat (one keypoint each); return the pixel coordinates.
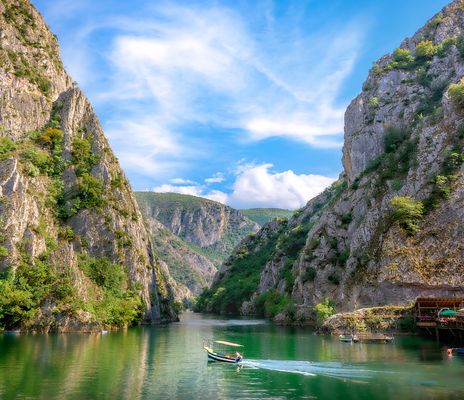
(222, 351)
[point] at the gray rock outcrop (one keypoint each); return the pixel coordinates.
(404, 140)
(46, 214)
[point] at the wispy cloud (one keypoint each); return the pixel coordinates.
(181, 181)
(146, 147)
(169, 73)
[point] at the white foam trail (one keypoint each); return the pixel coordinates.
(308, 368)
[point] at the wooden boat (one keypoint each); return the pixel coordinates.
(222, 354)
(345, 338)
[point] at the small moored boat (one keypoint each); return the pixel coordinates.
(225, 352)
(345, 338)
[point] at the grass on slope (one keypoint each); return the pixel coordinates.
(263, 215)
(172, 200)
(242, 278)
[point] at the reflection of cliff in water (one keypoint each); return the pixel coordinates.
(66, 364)
(168, 362)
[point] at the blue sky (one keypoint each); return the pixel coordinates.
(239, 101)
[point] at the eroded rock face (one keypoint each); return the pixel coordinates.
(34, 88)
(384, 265)
(398, 92)
(192, 271)
(204, 223)
(354, 253)
(193, 235)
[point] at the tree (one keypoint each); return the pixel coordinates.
(402, 59)
(456, 93)
(324, 310)
(407, 212)
(425, 50)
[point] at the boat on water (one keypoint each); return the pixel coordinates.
(222, 351)
(346, 338)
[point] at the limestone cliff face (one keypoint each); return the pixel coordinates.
(193, 236)
(403, 140)
(191, 271)
(208, 225)
(64, 197)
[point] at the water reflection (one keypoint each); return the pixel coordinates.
(167, 362)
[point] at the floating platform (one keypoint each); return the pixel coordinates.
(374, 337)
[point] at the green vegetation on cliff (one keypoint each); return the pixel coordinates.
(36, 290)
(407, 212)
(263, 215)
(241, 278)
(210, 228)
(36, 286)
(186, 265)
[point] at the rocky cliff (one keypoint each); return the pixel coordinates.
(74, 251)
(212, 228)
(192, 271)
(391, 229)
(195, 235)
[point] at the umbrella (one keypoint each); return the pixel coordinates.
(447, 313)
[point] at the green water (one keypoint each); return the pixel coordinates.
(168, 363)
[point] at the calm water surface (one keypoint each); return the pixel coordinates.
(169, 363)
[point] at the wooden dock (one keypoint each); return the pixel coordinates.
(428, 317)
(373, 337)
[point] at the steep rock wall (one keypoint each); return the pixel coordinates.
(64, 197)
(404, 142)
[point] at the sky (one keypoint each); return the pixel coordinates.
(238, 101)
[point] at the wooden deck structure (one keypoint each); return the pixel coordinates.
(373, 337)
(426, 310)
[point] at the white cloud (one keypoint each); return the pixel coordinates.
(193, 190)
(217, 195)
(218, 177)
(257, 186)
(181, 181)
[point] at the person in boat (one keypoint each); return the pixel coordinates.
(237, 355)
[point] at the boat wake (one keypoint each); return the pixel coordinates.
(331, 369)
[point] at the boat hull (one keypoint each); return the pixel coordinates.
(221, 358)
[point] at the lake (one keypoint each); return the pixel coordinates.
(167, 362)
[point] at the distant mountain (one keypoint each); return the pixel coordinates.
(264, 215)
(191, 270)
(198, 234)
